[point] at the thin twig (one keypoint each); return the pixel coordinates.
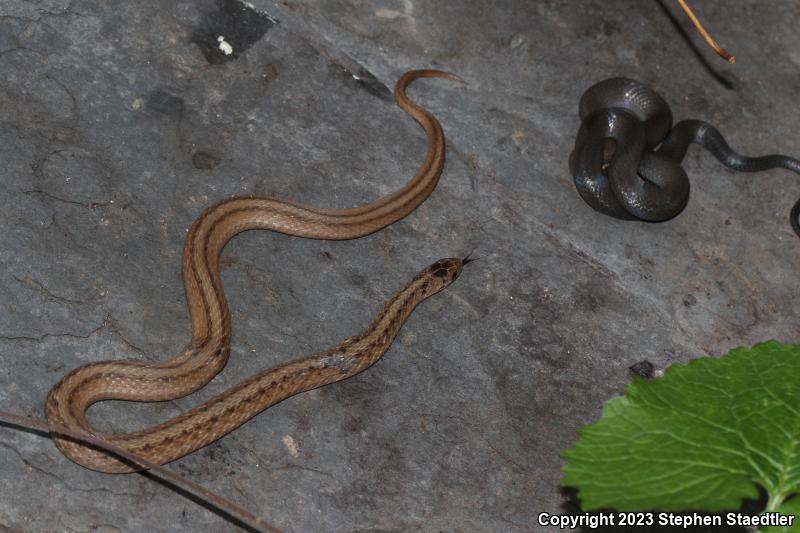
(226, 508)
(724, 54)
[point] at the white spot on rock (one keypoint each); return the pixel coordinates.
(517, 41)
(224, 46)
(291, 445)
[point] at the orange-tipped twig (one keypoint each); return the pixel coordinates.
(727, 56)
(171, 478)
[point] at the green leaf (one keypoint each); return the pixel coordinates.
(699, 438)
(791, 507)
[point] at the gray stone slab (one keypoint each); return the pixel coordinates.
(118, 125)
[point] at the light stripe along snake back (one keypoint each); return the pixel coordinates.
(204, 356)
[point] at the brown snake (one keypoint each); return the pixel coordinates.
(207, 352)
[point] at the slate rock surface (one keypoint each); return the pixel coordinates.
(120, 121)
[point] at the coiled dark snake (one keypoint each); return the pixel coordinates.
(207, 352)
(627, 157)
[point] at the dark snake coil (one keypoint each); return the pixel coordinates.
(627, 157)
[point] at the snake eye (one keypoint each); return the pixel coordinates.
(440, 272)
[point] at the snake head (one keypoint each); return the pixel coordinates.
(441, 274)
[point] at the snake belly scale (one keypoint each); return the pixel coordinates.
(206, 353)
